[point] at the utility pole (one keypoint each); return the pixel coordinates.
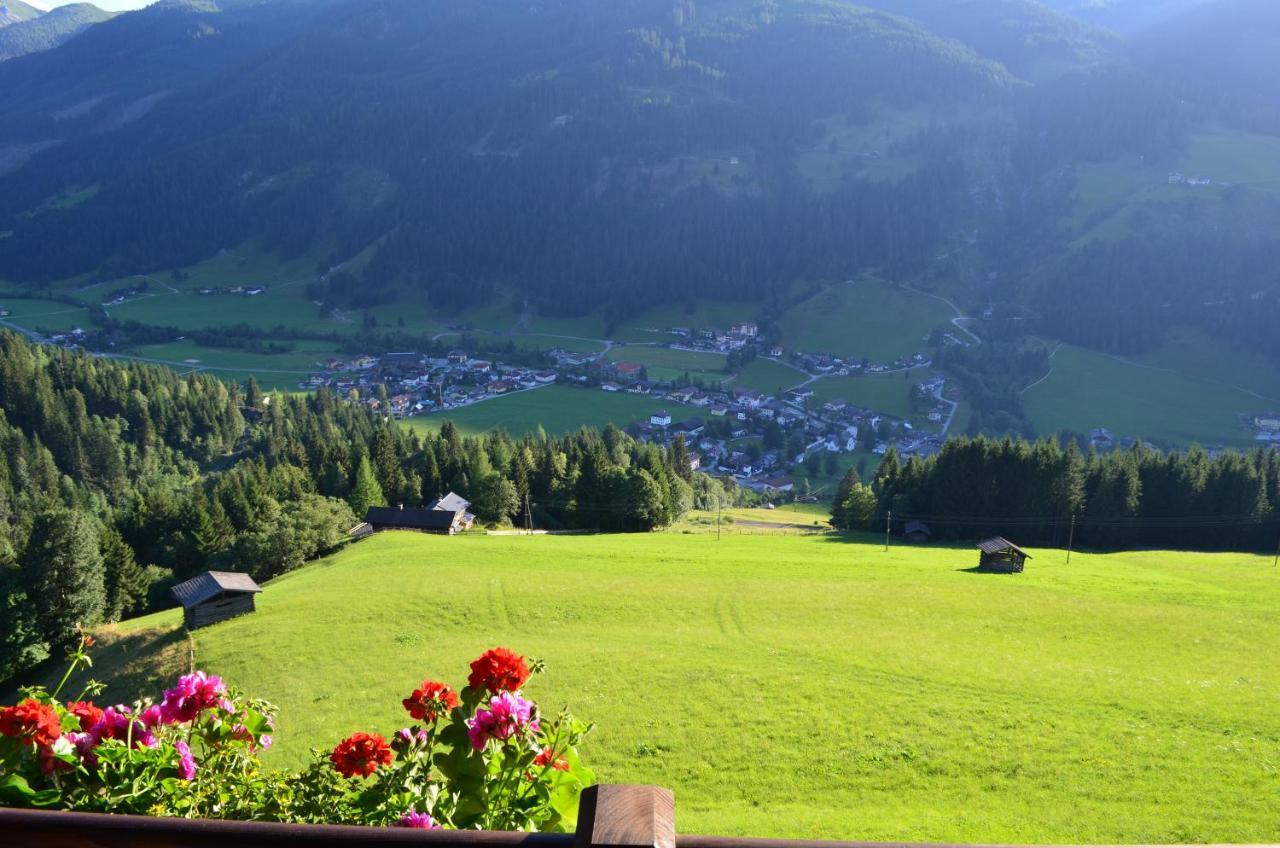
(1071, 537)
(528, 515)
(888, 520)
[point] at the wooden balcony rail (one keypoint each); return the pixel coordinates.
(611, 816)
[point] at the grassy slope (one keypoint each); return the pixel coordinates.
(664, 363)
(888, 393)
(810, 687)
(1088, 389)
(769, 377)
(867, 319)
(557, 409)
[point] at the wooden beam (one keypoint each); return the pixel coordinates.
(621, 816)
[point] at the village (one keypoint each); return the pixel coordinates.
(766, 443)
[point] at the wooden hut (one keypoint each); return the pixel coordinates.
(1001, 555)
(917, 532)
(440, 521)
(215, 596)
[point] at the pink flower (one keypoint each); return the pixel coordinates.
(186, 762)
(508, 715)
(194, 693)
(422, 821)
(265, 742)
(118, 723)
(152, 716)
(405, 737)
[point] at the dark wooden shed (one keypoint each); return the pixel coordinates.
(215, 596)
(916, 531)
(440, 521)
(999, 554)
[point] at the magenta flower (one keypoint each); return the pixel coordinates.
(152, 716)
(405, 737)
(194, 693)
(422, 821)
(186, 762)
(508, 715)
(265, 741)
(116, 723)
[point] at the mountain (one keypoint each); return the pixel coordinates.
(1125, 16)
(601, 158)
(48, 30)
(15, 12)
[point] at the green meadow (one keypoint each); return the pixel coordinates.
(1087, 389)
(888, 393)
(556, 409)
(867, 319)
(767, 376)
(806, 686)
(664, 363)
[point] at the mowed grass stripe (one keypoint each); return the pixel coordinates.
(801, 686)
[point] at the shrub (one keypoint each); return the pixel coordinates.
(482, 757)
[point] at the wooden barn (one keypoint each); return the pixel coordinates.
(1001, 555)
(441, 521)
(917, 532)
(215, 596)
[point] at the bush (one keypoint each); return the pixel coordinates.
(483, 757)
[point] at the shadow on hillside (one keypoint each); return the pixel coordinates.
(134, 664)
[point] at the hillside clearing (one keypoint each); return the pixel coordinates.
(808, 686)
(867, 319)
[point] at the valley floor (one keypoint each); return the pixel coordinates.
(811, 686)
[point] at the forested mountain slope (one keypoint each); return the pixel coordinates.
(1092, 187)
(48, 30)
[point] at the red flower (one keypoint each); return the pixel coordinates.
(430, 700)
(31, 721)
(498, 670)
(544, 758)
(88, 641)
(88, 714)
(361, 754)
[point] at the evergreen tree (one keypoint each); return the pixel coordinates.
(63, 574)
(126, 581)
(366, 491)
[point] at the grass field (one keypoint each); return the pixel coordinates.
(37, 314)
(887, 393)
(868, 319)
(810, 686)
(1088, 389)
(664, 363)
(557, 409)
(767, 376)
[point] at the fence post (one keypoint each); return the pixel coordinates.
(622, 816)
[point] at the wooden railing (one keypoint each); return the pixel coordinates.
(611, 816)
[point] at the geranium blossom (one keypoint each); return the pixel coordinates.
(193, 694)
(430, 701)
(186, 762)
(422, 821)
(508, 715)
(86, 712)
(118, 723)
(544, 759)
(498, 670)
(31, 721)
(361, 754)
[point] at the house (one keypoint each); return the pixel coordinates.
(719, 410)
(917, 532)
(215, 596)
(441, 521)
(780, 484)
(660, 419)
(610, 387)
(545, 377)
(457, 357)
(501, 387)
(1002, 556)
(744, 330)
(628, 369)
(454, 502)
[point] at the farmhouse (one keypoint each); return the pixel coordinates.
(215, 596)
(916, 531)
(439, 521)
(453, 502)
(1001, 555)
(660, 419)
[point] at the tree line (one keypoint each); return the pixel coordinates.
(120, 479)
(1035, 493)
